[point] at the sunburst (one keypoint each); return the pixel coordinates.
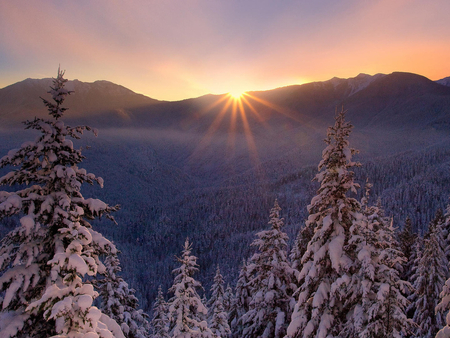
(236, 94)
(239, 106)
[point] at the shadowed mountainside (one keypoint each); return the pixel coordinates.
(21, 101)
(205, 169)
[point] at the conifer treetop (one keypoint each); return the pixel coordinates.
(59, 93)
(329, 259)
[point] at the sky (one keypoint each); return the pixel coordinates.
(178, 49)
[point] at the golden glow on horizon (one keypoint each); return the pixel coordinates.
(237, 95)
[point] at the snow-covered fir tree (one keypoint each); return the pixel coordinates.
(217, 291)
(228, 299)
(186, 311)
(271, 283)
(299, 248)
(444, 305)
(46, 260)
(360, 282)
(119, 302)
(446, 232)
(376, 288)
(160, 322)
(429, 281)
(416, 256)
(388, 313)
(329, 261)
(407, 239)
(241, 301)
(443, 310)
(217, 316)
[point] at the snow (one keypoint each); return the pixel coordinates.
(12, 202)
(11, 322)
(336, 250)
(28, 223)
(95, 205)
(112, 326)
(321, 294)
(12, 289)
(383, 292)
(84, 302)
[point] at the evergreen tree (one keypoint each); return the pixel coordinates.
(46, 260)
(241, 301)
(186, 310)
(217, 291)
(271, 283)
(217, 316)
(329, 260)
(444, 305)
(443, 310)
(431, 275)
(160, 321)
(299, 249)
(119, 302)
(228, 299)
(416, 257)
(407, 239)
(374, 294)
(446, 233)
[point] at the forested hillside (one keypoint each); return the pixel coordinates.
(196, 169)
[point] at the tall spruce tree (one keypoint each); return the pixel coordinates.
(384, 304)
(186, 311)
(443, 310)
(271, 283)
(241, 301)
(119, 302)
(415, 258)
(217, 316)
(228, 299)
(160, 321)
(217, 290)
(388, 312)
(446, 232)
(374, 294)
(329, 260)
(46, 261)
(444, 305)
(431, 275)
(299, 248)
(407, 239)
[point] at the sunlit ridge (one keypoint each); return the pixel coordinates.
(237, 95)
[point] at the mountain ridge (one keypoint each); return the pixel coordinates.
(21, 100)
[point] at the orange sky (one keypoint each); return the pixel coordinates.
(172, 50)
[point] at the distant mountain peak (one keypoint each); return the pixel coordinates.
(21, 101)
(445, 81)
(353, 84)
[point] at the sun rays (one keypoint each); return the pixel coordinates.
(235, 117)
(236, 94)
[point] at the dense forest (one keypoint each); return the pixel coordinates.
(342, 250)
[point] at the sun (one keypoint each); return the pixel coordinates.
(236, 94)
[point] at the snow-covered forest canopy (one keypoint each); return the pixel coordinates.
(349, 268)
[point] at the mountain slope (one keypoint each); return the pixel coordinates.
(203, 168)
(445, 81)
(21, 100)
